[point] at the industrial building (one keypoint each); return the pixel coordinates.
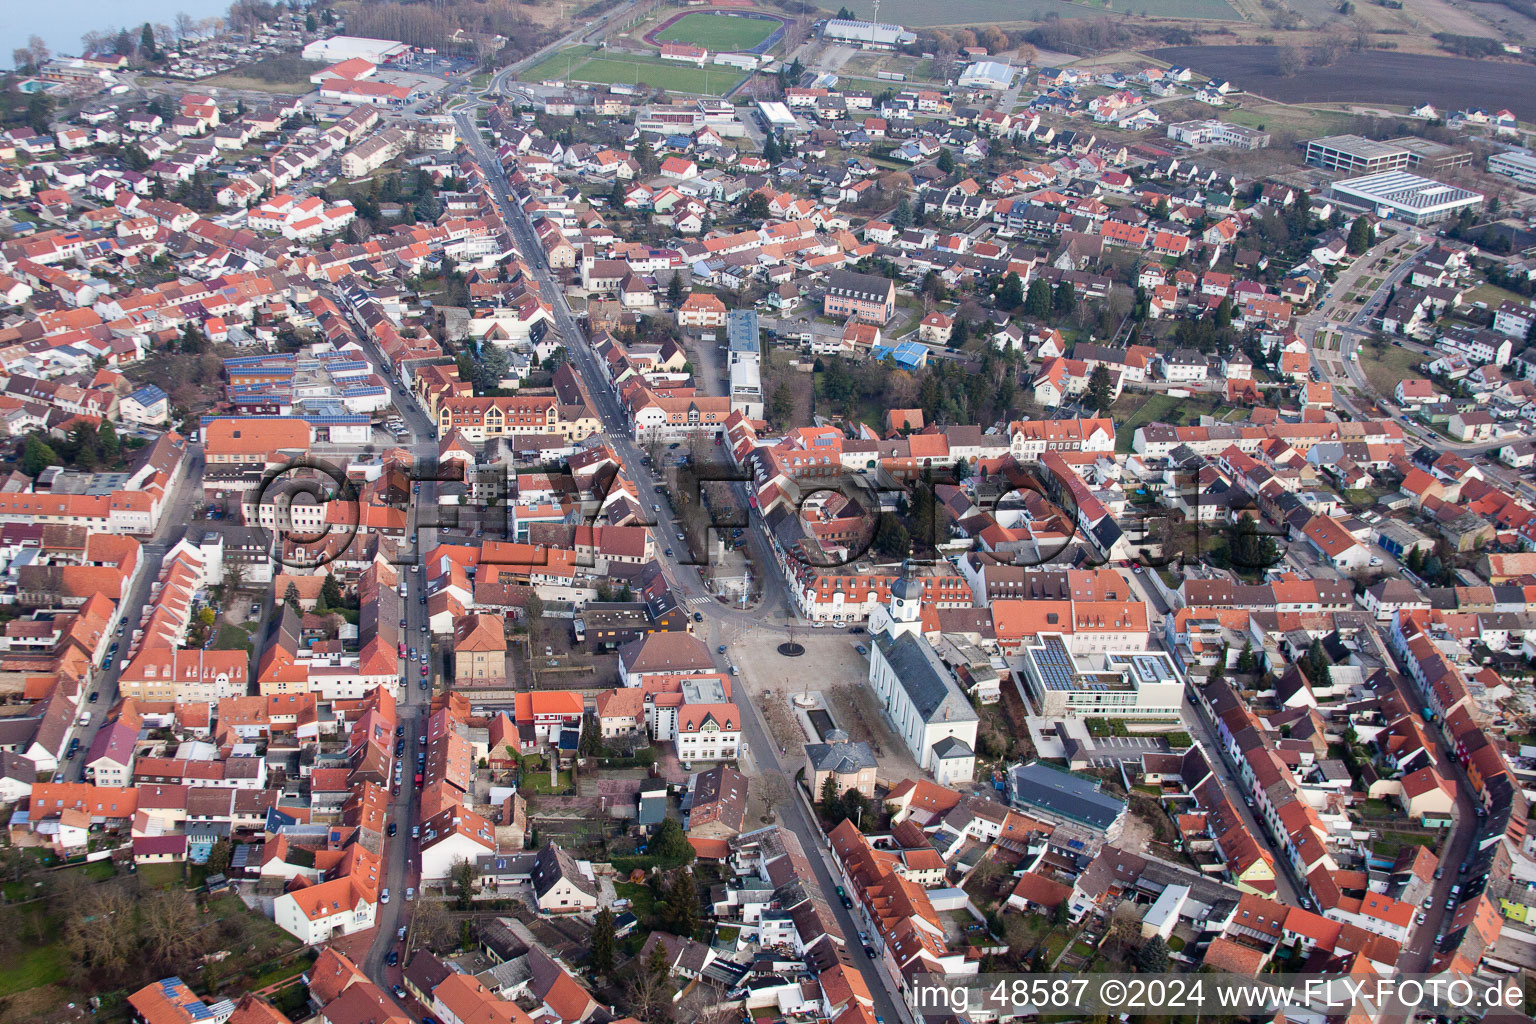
(1405, 197)
(1518, 164)
(1355, 155)
(867, 34)
(987, 74)
(746, 368)
(1426, 157)
(339, 48)
(775, 114)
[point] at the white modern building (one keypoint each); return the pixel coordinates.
(867, 34)
(987, 74)
(1405, 197)
(1518, 164)
(1127, 684)
(339, 48)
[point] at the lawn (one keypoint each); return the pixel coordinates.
(33, 966)
(718, 32)
(1385, 368)
(1140, 408)
(284, 73)
(1493, 296)
(658, 73)
(1390, 844)
(161, 876)
(233, 638)
(556, 66)
(537, 783)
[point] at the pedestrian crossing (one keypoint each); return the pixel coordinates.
(700, 601)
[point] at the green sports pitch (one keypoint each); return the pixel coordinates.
(722, 33)
(586, 65)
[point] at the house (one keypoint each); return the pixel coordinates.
(318, 913)
(865, 297)
(1413, 392)
(701, 309)
(560, 885)
(717, 806)
(849, 765)
(480, 651)
(1335, 544)
(1474, 425)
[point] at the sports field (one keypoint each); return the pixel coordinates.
(723, 33)
(582, 64)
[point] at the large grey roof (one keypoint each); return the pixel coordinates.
(1063, 794)
(928, 683)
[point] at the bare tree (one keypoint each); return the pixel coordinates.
(1290, 59)
(101, 933)
(431, 925)
(164, 918)
(95, 42)
(21, 59)
(39, 50)
(185, 25)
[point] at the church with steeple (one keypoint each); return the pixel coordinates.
(919, 695)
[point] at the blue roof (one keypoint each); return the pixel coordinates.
(149, 394)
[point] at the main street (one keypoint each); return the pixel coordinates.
(762, 755)
(175, 515)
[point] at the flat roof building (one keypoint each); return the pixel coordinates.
(776, 114)
(867, 34)
(1427, 157)
(339, 48)
(1405, 197)
(987, 74)
(1355, 155)
(1518, 164)
(1130, 684)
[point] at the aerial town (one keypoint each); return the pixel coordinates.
(673, 512)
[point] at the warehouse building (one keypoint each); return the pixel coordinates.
(1355, 155)
(1405, 197)
(987, 74)
(339, 48)
(867, 34)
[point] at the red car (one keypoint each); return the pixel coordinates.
(423, 671)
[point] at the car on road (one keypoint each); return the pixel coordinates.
(861, 649)
(698, 616)
(413, 654)
(399, 992)
(415, 831)
(93, 698)
(1440, 872)
(384, 896)
(1450, 903)
(410, 894)
(424, 671)
(393, 958)
(855, 629)
(1429, 901)
(721, 649)
(1422, 917)
(669, 552)
(393, 828)
(842, 896)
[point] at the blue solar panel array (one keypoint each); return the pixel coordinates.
(1054, 664)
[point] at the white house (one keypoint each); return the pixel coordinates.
(319, 913)
(453, 835)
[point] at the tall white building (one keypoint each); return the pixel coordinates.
(921, 698)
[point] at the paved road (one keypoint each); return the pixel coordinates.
(762, 755)
(175, 516)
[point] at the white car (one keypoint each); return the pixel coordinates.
(384, 896)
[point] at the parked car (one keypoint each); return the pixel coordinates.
(393, 828)
(384, 896)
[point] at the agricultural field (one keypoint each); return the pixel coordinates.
(921, 14)
(625, 69)
(717, 32)
(1377, 76)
